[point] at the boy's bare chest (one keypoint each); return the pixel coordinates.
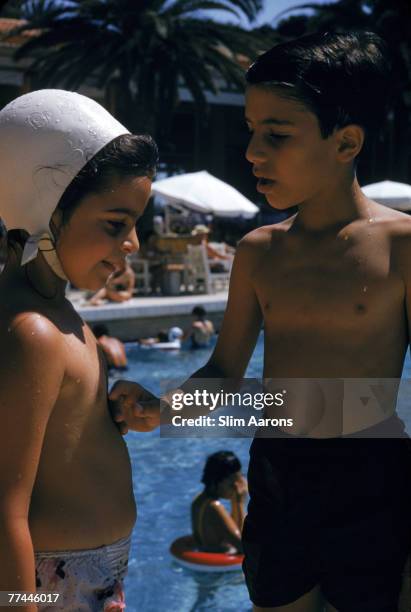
(330, 285)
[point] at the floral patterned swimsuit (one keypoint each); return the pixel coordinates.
(86, 580)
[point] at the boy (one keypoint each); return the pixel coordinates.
(329, 519)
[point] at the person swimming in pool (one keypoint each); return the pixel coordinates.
(113, 348)
(165, 340)
(201, 330)
(73, 182)
(214, 529)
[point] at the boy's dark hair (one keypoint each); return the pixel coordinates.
(341, 78)
(199, 311)
(218, 466)
(126, 156)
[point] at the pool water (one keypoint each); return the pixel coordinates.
(166, 477)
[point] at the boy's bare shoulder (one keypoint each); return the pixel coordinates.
(389, 215)
(262, 238)
(396, 227)
(396, 223)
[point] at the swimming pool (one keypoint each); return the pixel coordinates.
(166, 476)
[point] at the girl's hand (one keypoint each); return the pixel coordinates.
(240, 489)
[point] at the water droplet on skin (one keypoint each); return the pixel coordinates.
(33, 333)
(78, 380)
(9, 329)
(370, 220)
(365, 289)
(346, 237)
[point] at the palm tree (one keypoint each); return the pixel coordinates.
(141, 53)
(392, 22)
(11, 8)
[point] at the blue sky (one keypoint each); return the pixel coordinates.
(274, 7)
(271, 10)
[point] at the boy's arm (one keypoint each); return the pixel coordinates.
(31, 375)
(402, 259)
(236, 341)
(242, 318)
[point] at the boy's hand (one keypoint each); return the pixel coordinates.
(133, 407)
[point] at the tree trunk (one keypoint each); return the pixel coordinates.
(401, 140)
(401, 143)
(128, 109)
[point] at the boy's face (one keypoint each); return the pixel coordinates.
(293, 162)
(101, 232)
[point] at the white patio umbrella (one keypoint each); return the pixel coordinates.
(206, 194)
(390, 193)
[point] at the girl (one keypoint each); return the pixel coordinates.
(73, 183)
(213, 528)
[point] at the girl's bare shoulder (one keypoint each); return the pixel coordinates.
(22, 331)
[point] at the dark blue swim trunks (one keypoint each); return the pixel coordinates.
(331, 512)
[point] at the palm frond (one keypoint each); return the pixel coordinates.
(148, 47)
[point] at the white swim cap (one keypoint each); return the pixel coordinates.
(175, 333)
(46, 138)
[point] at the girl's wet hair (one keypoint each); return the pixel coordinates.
(341, 78)
(218, 466)
(124, 157)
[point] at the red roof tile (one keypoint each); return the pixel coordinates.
(6, 25)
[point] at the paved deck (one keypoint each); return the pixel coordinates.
(145, 316)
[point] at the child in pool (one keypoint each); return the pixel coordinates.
(214, 529)
(73, 182)
(201, 330)
(329, 520)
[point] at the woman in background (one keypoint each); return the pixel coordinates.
(214, 529)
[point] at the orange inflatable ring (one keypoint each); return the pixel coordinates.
(186, 553)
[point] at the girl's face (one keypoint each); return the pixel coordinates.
(101, 232)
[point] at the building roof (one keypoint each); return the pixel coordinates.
(7, 25)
